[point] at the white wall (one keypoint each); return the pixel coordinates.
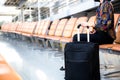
(69, 10)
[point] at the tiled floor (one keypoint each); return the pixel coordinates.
(32, 63)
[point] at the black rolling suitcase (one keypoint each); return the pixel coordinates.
(82, 61)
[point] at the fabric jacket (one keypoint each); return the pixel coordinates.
(105, 18)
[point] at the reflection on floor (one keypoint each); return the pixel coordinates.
(33, 63)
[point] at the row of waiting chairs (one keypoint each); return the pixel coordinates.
(58, 30)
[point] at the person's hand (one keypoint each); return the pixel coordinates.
(92, 31)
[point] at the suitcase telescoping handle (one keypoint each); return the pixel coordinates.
(78, 33)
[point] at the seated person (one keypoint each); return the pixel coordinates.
(103, 31)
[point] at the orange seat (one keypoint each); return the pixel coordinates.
(106, 46)
(79, 21)
(19, 28)
(28, 28)
(69, 28)
(41, 31)
(8, 27)
(44, 30)
(13, 27)
(74, 30)
(2, 60)
(116, 47)
(53, 27)
(59, 30)
(39, 27)
(6, 72)
(116, 18)
(5, 27)
(36, 28)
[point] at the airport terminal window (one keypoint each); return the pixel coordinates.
(55, 7)
(45, 12)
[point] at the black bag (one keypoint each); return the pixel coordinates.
(82, 61)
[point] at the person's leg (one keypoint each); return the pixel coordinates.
(101, 38)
